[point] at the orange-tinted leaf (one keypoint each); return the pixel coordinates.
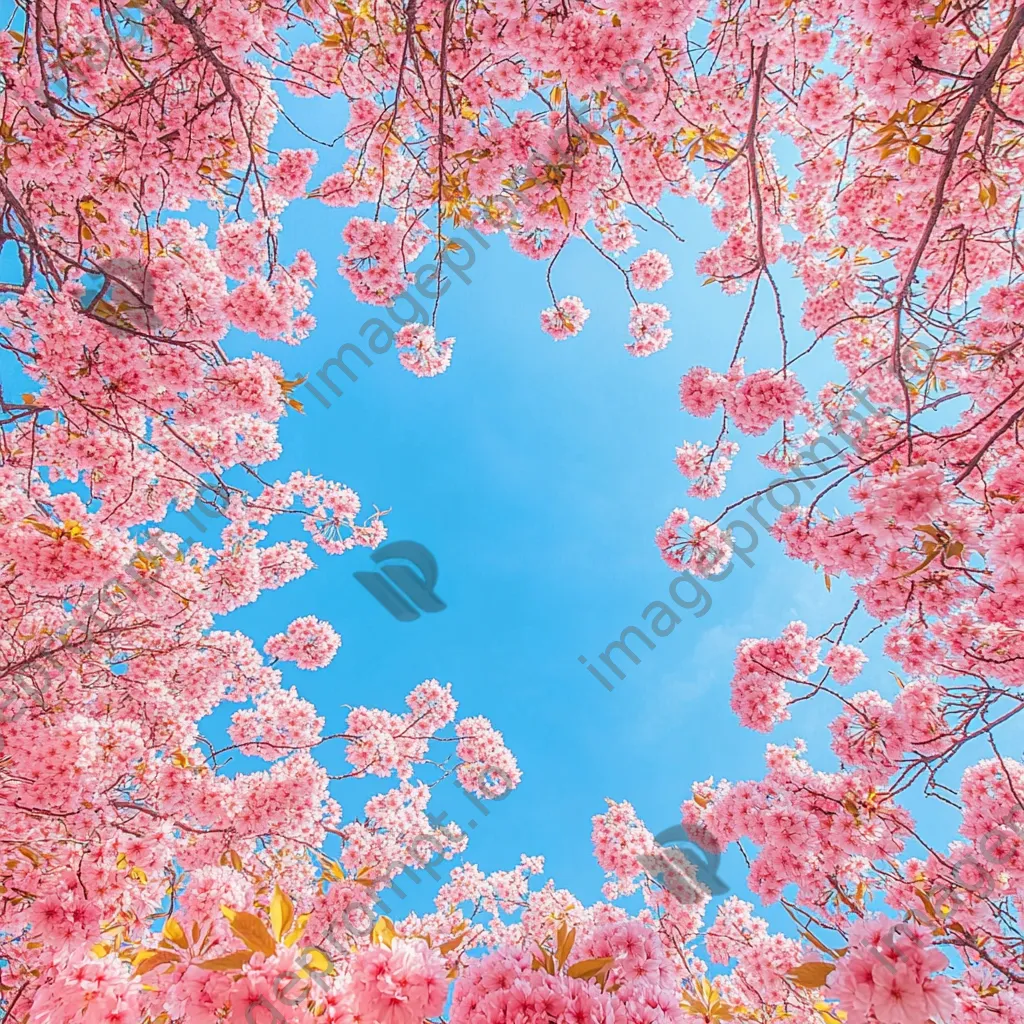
(160, 957)
(173, 932)
(585, 969)
(253, 932)
(282, 912)
(232, 962)
(811, 975)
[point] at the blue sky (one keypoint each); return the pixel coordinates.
(537, 472)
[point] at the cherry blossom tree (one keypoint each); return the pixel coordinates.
(874, 146)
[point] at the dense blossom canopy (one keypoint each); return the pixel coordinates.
(873, 147)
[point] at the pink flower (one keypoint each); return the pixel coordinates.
(764, 398)
(646, 325)
(420, 351)
(705, 552)
(888, 974)
(701, 390)
(308, 642)
(400, 985)
(378, 252)
(292, 171)
(565, 319)
(846, 662)
(651, 270)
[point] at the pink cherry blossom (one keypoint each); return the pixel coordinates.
(651, 270)
(308, 642)
(565, 319)
(646, 325)
(421, 352)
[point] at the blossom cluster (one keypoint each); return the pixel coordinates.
(872, 147)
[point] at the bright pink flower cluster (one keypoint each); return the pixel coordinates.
(651, 270)
(378, 254)
(889, 975)
(706, 551)
(762, 670)
(754, 402)
(647, 327)
(707, 467)
(565, 319)
(421, 352)
(399, 985)
(615, 973)
(701, 390)
(845, 661)
(762, 399)
(308, 642)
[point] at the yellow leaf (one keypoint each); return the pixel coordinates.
(586, 969)
(383, 932)
(914, 155)
(316, 960)
(922, 112)
(296, 933)
(928, 906)
(817, 942)
(159, 957)
(44, 528)
(565, 944)
(830, 1013)
(253, 932)
(282, 912)
(232, 962)
(811, 975)
(173, 932)
(333, 869)
(563, 209)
